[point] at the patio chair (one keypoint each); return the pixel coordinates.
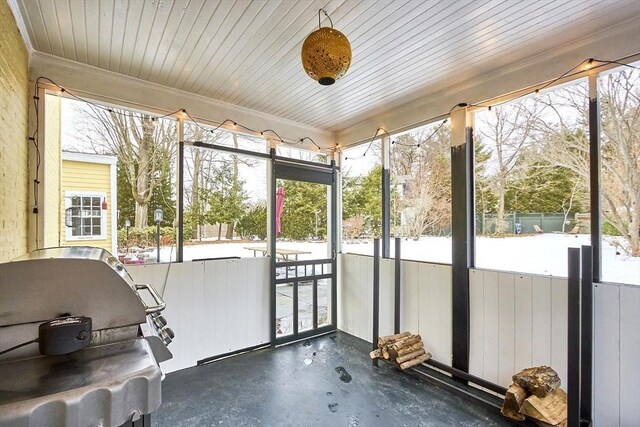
(538, 229)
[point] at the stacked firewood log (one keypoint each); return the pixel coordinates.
(536, 394)
(405, 350)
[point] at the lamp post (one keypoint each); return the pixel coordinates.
(157, 216)
(127, 224)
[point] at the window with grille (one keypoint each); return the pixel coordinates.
(84, 216)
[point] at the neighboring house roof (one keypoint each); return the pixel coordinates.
(89, 157)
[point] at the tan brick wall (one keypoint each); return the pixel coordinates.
(52, 160)
(14, 95)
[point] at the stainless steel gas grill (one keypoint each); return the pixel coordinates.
(80, 343)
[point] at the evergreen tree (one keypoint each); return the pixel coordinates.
(303, 202)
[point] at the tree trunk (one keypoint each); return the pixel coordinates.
(195, 193)
(234, 185)
(141, 215)
(500, 214)
(144, 184)
(634, 230)
(230, 226)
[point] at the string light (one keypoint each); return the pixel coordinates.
(182, 113)
(312, 141)
(585, 64)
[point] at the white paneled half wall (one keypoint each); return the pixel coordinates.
(517, 321)
(425, 301)
(214, 307)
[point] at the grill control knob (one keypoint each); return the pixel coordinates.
(160, 322)
(167, 335)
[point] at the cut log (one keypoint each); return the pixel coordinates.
(539, 381)
(410, 356)
(512, 401)
(551, 410)
(385, 353)
(410, 349)
(413, 362)
(392, 338)
(414, 339)
(375, 354)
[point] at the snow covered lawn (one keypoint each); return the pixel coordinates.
(544, 254)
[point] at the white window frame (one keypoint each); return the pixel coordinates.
(68, 195)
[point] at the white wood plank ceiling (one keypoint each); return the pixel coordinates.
(247, 52)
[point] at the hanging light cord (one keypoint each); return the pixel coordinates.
(585, 64)
(381, 130)
(325, 14)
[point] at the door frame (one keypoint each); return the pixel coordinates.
(317, 173)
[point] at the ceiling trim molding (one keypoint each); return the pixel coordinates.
(22, 28)
(615, 42)
(115, 88)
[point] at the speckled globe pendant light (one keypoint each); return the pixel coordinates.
(326, 54)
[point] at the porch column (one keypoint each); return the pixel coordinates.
(337, 245)
(462, 231)
(386, 197)
(180, 207)
(594, 177)
(271, 239)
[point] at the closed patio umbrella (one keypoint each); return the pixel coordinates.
(279, 208)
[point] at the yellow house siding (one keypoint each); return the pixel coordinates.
(14, 173)
(52, 161)
(86, 177)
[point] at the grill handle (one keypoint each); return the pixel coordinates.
(149, 309)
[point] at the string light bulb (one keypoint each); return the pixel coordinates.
(589, 64)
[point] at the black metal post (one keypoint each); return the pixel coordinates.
(397, 294)
(573, 339)
(594, 177)
(462, 233)
(586, 341)
(334, 244)
(295, 307)
(315, 303)
(180, 239)
(272, 247)
(376, 295)
(158, 241)
(386, 212)
(471, 199)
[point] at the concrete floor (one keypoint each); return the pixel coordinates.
(326, 381)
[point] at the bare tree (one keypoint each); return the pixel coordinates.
(508, 137)
(620, 96)
(422, 169)
(566, 145)
(143, 144)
